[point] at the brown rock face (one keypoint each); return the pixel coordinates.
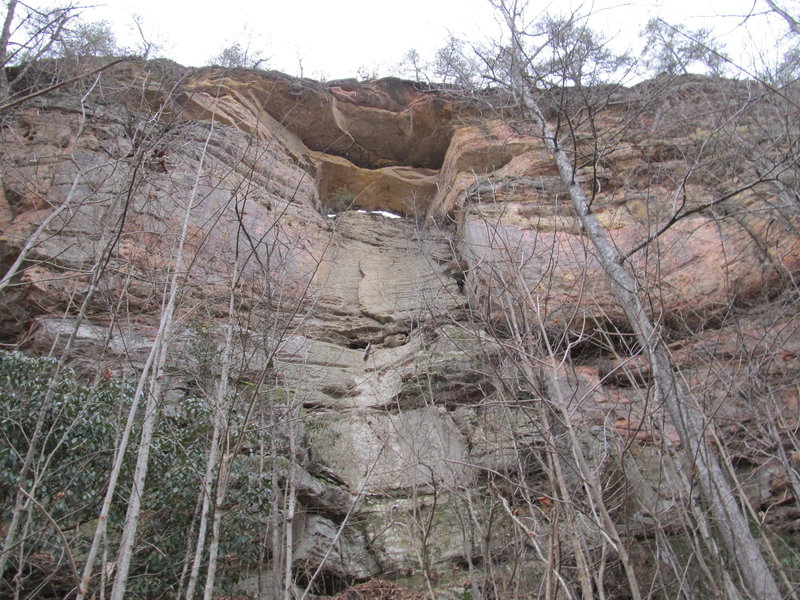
(397, 348)
(487, 148)
(404, 191)
(704, 256)
(382, 123)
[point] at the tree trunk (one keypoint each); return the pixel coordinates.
(5, 37)
(790, 20)
(219, 512)
(291, 502)
(125, 552)
(221, 406)
(155, 356)
(208, 478)
(715, 489)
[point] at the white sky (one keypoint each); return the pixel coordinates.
(335, 38)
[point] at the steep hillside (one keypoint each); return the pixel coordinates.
(448, 396)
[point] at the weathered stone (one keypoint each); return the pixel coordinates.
(458, 367)
(383, 123)
(379, 276)
(411, 350)
(393, 454)
(481, 149)
(394, 340)
(133, 346)
(324, 375)
(313, 492)
(504, 437)
(343, 555)
(550, 257)
(421, 532)
(405, 191)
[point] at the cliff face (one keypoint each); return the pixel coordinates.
(406, 351)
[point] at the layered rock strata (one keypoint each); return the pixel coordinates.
(394, 337)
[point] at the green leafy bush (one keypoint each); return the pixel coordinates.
(81, 425)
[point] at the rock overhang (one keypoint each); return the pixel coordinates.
(383, 404)
(373, 124)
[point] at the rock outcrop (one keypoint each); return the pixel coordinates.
(404, 345)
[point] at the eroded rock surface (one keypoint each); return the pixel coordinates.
(406, 347)
(378, 124)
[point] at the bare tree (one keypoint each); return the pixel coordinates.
(575, 53)
(715, 488)
(782, 12)
(673, 49)
(34, 35)
(110, 236)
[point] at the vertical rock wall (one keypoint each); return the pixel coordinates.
(392, 338)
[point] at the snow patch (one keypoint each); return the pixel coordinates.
(385, 213)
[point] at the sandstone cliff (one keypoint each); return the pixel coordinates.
(401, 357)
